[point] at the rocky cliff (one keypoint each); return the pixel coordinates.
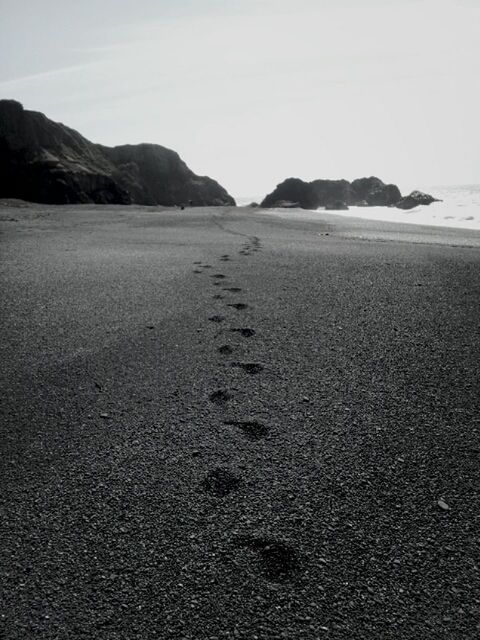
(339, 194)
(44, 161)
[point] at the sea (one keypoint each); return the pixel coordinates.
(459, 208)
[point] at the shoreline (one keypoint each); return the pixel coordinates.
(357, 227)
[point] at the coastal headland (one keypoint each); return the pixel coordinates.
(226, 423)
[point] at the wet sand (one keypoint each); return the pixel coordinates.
(224, 423)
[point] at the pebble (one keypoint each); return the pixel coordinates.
(443, 505)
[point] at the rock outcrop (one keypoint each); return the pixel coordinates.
(415, 199)
(44, 161)
(329, 193)
(375, 192)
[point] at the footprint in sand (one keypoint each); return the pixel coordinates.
(249, 367)
(245, 332)
(225, 349)
(218, 296)
(197, 271)
(251, 429)
(220, 397)
(218, 276)
(217, 318)
(232, 289)
(220, 481)
(240, 306)
(278, 560)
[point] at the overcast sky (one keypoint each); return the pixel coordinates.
(253, 91)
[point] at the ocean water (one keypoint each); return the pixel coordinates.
(460, 208)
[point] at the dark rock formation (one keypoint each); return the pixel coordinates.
(375, 192)
(325, 193)
(415, 199)
(293, 191)
(330, 191)
(152, 174)
(43, 161)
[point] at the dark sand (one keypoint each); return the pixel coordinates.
(164, 476)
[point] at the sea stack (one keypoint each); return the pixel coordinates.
(340, 194)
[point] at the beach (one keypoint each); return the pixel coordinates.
(231, 423)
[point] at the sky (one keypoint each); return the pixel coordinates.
(251, 92)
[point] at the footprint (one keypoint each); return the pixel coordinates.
(278, 559)
(221, 396)
(240, 306)
(220, 481)
(249, 367)
(225, 255)
(251, 429)
(217, 318)
(197, 262)
(224, 259)
(207, 266)
(244, 331)
(197, 271)
(232, 289)
(225, 349)
(218, 296)
(218, 276)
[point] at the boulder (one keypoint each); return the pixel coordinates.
(45, 161)
(415, 199)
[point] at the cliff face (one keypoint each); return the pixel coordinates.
(155, 175)
(43, 161)
(326, 193)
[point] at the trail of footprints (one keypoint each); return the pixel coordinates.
(275, 559)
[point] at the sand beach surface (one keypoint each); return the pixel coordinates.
(228, 423)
